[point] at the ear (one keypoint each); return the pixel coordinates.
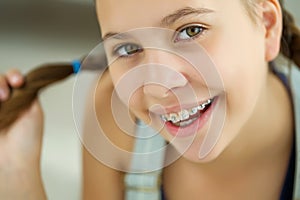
(272, 22)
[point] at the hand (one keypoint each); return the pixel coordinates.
(20, 148)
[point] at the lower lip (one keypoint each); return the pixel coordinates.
(193, 128)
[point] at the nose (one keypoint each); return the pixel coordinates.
(164, 73)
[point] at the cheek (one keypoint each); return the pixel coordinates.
(241, 64)
(239, 57)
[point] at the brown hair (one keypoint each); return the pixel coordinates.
(290, 41)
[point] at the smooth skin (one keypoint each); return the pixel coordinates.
(251, 158)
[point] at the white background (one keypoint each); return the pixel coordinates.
(38, 31)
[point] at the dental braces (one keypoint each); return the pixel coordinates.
(184, 114)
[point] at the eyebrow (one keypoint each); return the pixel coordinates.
(168, 20)
(116, 35)
(181, 13)
(112, 34)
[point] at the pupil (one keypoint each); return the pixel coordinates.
(192, 31)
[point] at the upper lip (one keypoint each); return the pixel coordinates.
(161, 110)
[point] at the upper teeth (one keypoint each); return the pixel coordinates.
(185, 113)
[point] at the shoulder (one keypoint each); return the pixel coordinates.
(295, 92)
(294, 79)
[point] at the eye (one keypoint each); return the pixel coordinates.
(190, 32)
(126, 50)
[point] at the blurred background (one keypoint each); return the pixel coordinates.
(33, 32)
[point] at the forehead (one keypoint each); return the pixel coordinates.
(123, 15)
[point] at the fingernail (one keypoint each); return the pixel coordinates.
(15, 79)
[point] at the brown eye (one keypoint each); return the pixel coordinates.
(189, 32)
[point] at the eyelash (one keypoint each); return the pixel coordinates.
(137, 49)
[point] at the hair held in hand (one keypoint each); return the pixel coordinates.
(22, 98)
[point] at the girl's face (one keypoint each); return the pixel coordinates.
(233, 42)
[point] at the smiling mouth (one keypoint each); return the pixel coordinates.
(186, 117)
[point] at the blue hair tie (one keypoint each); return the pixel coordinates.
(76, 66)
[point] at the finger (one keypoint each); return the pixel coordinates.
(4, 89)
(15, 78)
